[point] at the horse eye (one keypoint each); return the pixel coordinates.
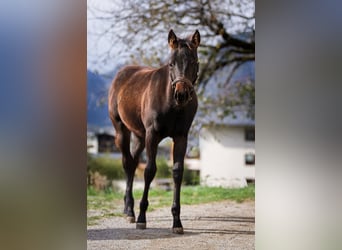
(171, 64)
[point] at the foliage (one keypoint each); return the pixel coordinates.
(105, 165)
(191, 177)
(163, 169)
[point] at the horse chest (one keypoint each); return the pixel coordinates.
(170, 124)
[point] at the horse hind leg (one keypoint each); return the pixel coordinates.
(138, 147)
(122, 141)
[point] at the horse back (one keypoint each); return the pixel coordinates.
(126, 93)
(129, 76)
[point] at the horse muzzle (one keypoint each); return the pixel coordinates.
(183, 91)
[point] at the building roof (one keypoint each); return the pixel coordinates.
(92, 129)
(238, 119)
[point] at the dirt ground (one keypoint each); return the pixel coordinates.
(219, 225)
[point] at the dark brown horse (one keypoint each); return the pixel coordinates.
(154, 103)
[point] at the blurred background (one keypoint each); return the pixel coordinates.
(43, 125)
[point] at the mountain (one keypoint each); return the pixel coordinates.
(97, 101)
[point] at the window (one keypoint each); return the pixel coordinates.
(106, 143)
(250, 134)
(250, 159)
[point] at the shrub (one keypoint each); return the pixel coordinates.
(163, 169)
(190, 177)
(106, 166)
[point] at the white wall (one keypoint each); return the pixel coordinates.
(92, 144)
(223, 152)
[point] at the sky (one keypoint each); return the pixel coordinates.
(97, 46)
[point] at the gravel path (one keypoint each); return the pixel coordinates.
(219, 225)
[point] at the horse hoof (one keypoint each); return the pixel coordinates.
(130, 219)
(141, 225)
(177, 230)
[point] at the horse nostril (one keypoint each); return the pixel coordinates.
(179, 96)
(182, 97)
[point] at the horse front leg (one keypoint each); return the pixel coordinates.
(149, 173)
(180, 144)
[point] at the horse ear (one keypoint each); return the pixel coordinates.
(172, 39)
(196, 38)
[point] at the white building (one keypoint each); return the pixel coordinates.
(100, 139)
(92, 143)
(228, 153)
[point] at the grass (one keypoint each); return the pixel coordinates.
(109, 203)
(198, 194)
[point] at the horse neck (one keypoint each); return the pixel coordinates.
(168, 92)
(168, 88)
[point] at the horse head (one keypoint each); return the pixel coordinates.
(183, 66)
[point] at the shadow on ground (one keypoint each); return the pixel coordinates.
(158, 233)
(209, 218)
(133, 234)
